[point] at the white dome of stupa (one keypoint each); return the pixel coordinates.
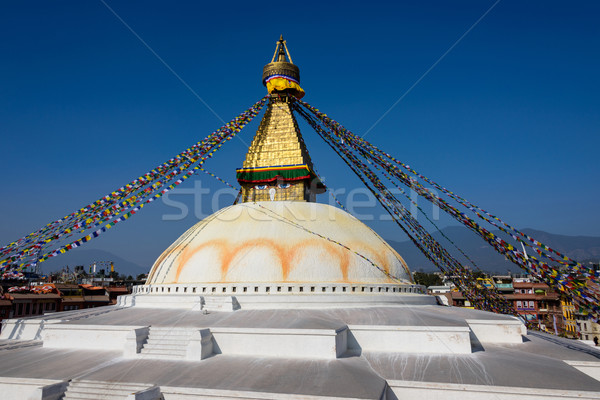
(279, 241)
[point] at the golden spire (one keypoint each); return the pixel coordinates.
(277, 165)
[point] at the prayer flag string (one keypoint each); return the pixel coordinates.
(101, 215)
(462, 276)
(571, 278)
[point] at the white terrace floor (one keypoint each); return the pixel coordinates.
(414, 352)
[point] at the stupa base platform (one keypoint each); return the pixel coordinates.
(257, 296)
(388, 352)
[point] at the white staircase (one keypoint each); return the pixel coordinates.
(220, 303)
(81, 389)
(166, 343)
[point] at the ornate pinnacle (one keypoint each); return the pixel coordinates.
(281, 63)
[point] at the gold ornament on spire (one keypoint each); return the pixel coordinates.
(281, 75)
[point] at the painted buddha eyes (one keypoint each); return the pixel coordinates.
(279, 185)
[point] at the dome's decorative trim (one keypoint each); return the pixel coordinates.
(276, 289)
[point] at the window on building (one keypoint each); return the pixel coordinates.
(519, 304)
(531, 305)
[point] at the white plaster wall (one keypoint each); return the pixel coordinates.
(498, 331)
(591, 368)
(91, 337)
(31, 389)
(174, 301)
(310, 343)
(411, 390)
(412, 339)
(23, 329)
(178, 393)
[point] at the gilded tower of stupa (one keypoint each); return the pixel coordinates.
(277, 165)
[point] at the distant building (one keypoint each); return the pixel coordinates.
(116, 291)
(26, 301)
(503, 283)
(586, 328)
(5, 309)
(78, 297)
(30, 304)
(438, 289)
(535, 302)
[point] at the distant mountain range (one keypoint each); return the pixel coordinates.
(580, 248)
(86, 257)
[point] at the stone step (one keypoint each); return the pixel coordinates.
(152, 336)
(72, 396)
(93, 396)
(161, 356)
(152, 341)
(98, 394)
(170, 329)
(120, 385)
(176, 352)
(96, 390)
(166, 347)
(170, 333)
(101, 390)
(155, 341)
(166, 343)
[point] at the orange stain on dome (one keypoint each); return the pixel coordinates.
(247, 245)
(286, 254)
(220, 244)
(341, 253)
(373, 255)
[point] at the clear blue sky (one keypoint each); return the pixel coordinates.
(509, 118)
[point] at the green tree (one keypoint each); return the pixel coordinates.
(426, 279)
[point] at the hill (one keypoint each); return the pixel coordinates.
(580, 248)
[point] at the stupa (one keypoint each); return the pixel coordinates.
(281, 297)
